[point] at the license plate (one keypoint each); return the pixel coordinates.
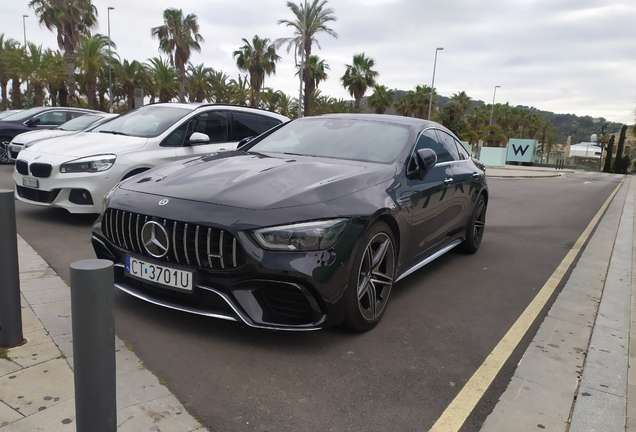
(159, 274)
(30, 182)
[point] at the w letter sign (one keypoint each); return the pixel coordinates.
(521, 150)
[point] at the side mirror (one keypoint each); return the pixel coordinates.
(32, 122)
(426, 159)
(244, 141)
(198, 137)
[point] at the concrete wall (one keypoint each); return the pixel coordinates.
(493, 156)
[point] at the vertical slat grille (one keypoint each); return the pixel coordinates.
(197, 245)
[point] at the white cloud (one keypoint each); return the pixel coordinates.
(566, 56)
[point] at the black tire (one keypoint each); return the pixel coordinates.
(475, 228)
(371, 280)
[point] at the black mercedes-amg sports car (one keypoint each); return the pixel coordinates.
(307, 225)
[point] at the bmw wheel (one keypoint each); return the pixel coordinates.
(372, 279)
(4, 152)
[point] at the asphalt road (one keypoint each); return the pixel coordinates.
(441, 324)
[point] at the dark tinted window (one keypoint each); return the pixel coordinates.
(428, 139)
(175, 139)
(213, 124)
(245, 125)
(463, 153)
(450, 148)
(51, 118)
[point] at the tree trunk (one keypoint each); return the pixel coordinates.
(38, 94)
(90, 81)
(3, 90)
(16, 95)
(53, 94)
(182, 77)
(69, 54)
(63, 93)
(307, 79)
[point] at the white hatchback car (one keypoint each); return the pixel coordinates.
(76, 172)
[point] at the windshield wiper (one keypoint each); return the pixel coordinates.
(113, 132)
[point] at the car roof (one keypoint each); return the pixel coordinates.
(199, 105)
(384, 118)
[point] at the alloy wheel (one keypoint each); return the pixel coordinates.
(375, 279)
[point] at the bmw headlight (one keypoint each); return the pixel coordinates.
(308, 236)
(89, 164)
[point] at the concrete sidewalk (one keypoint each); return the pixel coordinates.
(36, 379)
(575, 375)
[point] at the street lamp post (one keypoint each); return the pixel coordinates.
(430, 100)
(110, 61)
(492, 109)
(24, 17)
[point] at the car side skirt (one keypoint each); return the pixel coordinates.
(429, 259)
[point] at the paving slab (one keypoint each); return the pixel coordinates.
(598, 411)
(60, 418)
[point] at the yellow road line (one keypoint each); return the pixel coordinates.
(460, 408)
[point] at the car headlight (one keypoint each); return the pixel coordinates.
(308, 236)
(89, 164)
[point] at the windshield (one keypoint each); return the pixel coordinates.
(80, 123)
(4, 114)
(344, 138)
(146, 122)
(23, 115)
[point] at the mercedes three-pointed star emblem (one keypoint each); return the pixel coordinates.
(155, 239)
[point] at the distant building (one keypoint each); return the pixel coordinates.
(586, 150)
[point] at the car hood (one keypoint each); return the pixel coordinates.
(39, 135)
(258, 181)
(89, 143)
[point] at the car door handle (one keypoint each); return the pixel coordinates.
(476, 175)
(448, 181)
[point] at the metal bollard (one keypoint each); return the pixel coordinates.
(10, 303)
(93, 322)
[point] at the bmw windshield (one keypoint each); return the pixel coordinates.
(145, 122)
(353, 139)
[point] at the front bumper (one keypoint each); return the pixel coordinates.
(263, 289)
(76, 192)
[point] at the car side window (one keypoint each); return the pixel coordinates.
(211, 123)
(245, 125)
(450, 148)
(175, 139)
(75, 114)
(427, 139)
(463, 153)
(51, 118)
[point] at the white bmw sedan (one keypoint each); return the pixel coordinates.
(76, 172)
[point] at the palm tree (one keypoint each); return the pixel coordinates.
(56, 77)
(258, 59)
(37, 71)
(178, 37)
(359, 76)
(92, 56)
(307, 24)
(127, 75)
(7, 46)
(316, 73)
(71, 20)
(199, 82)
(164, 78)
(239, 91)
(220, 87)
(381, 99)
(18, 72)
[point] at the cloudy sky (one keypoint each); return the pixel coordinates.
(565, 56)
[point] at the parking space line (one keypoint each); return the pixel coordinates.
(460, 408)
